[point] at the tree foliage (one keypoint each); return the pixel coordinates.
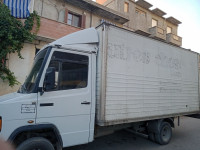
(13, 34)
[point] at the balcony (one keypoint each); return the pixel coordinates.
(174, 39)
(157, 33)
(51, 30)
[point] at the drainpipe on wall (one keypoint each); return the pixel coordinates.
(91, 19)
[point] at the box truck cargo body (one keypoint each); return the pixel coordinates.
(139, 78)
(96, 81)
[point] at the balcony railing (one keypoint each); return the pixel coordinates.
(174, 39)
(158, 33)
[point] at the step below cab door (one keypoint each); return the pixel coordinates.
(66, 100)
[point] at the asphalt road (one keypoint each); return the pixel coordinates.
(185, 137)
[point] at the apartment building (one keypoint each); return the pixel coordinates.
(62, 17)
(59, 18)
(146, 21)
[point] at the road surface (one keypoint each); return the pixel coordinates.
(185, 137)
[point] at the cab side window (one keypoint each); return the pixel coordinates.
(71, 70)
(73, 75)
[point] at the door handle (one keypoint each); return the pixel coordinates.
(85, 103)
(46, 104)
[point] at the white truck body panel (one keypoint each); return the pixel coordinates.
(74, 120)
(139, 78)
(16, 110)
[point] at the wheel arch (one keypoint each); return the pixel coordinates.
(170, 121)
(36, 129)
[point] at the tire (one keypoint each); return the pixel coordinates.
(36, 143)
(164, 135)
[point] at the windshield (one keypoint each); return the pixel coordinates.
(30, 82)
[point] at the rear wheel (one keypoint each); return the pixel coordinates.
(36, 143)
(165, 133)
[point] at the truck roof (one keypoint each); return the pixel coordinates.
(87, 36)
(90, 36)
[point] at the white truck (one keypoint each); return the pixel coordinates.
(96, 81)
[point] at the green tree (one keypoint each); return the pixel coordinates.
(13, 34)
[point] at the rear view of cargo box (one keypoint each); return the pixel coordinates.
(139, 78)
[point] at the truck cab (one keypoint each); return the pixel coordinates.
(57, 100)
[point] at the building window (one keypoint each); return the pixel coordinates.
(140, 12)
(154, 23)
(126, 7)
(169, 30)
(74, 20)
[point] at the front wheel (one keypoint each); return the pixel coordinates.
(36, 143)
(165, 134)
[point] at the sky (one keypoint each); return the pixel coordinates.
(186, 11)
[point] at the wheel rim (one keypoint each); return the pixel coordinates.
(166, 133)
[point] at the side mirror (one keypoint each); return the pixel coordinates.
(49, 83)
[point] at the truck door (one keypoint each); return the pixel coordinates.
(68, 104)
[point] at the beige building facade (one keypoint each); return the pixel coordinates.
(146, 21)
(58, 18)
(62, 17)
